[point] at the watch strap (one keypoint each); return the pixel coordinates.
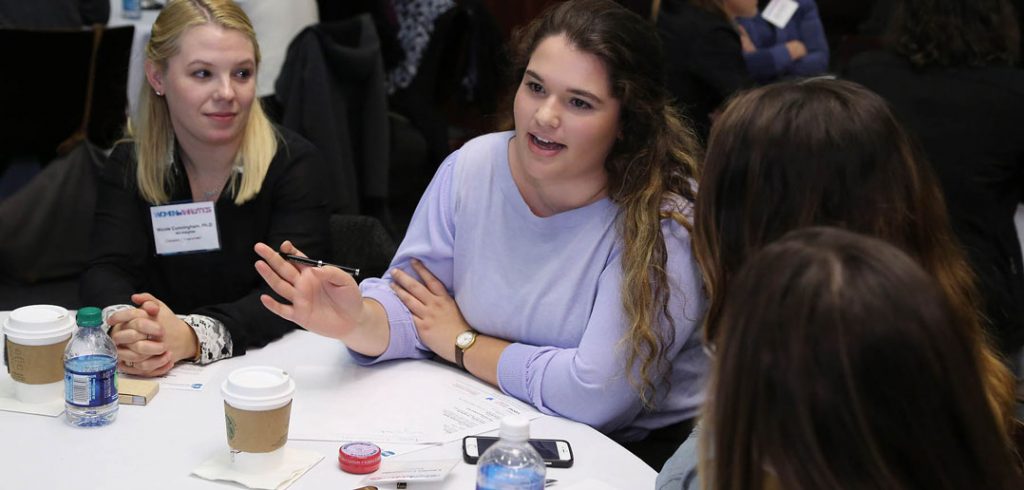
(460, 351)
(459, 354)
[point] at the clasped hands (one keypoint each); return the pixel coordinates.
(150, 339)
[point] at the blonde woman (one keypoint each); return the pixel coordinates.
(203, 176)
(553, 260)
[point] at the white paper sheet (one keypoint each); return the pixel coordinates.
(425, 407)
(296, 463)
(184, 376)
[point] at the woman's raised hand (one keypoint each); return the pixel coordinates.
(324, 300)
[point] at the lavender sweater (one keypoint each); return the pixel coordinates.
(549, 285)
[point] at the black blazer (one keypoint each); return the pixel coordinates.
(703, 58)
(968, 123)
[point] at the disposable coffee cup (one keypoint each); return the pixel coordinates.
(257, 407)
(34, 351)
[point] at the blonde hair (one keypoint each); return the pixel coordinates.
(150, 126)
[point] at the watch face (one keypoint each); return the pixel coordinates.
(464, 339)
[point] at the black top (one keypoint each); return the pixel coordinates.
(703, 60)
(968, 121)
(223, 284)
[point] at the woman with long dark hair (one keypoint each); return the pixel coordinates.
(829, 152)
(841, 364)
(553, 260)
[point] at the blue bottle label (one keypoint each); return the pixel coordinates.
(492, 476)
(90, 381)
(131, 9)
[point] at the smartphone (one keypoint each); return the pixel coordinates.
(556, 453)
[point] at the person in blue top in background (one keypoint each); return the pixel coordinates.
(797, 49)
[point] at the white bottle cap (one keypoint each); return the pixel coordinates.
(515, 428)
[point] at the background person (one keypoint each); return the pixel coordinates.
(198, 136)
(703, 56)
(949, 73)
(556, 255)
(798, 49)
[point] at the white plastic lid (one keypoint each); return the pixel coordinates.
(515, 428)
(258, 388)
(39, 324)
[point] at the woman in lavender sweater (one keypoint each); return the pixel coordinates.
(554, 260)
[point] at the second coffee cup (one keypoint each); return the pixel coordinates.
(257, 409)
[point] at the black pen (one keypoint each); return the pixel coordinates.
(317, 263)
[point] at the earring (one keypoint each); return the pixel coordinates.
(158, 93)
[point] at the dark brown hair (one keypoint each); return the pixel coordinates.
(650, 168)
(950, 33)
(828, 152)
(841, 365)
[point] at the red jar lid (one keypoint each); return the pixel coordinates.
(359, 457)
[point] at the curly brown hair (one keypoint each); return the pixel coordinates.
(950, 33)
(651, 168)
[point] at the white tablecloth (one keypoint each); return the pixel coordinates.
(276, 23)
(158, 445)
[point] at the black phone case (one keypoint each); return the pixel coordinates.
(548, 462)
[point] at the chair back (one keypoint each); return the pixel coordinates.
(361, 242)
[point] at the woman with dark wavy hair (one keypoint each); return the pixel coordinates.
(829, 152)
(949, 75)
(841, 364)
(553, 260)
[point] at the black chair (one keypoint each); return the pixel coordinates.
(361, 242)
(63, 99)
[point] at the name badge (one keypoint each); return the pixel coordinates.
(779, 12)
(184, 228)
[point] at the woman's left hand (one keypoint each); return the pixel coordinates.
(434, 312)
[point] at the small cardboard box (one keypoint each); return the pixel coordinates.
(136, 391)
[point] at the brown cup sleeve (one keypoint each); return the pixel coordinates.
(36, 364)
(255, 431)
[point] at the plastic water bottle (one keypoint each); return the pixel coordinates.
(131, 9)
(511, 463)
(90, 373)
